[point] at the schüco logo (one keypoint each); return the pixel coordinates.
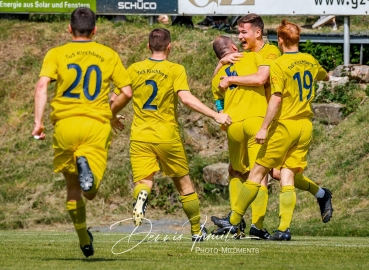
(204, 3)
(140, 4)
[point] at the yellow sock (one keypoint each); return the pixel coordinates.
(235, 185)
(247, 194)
(287, 202)
(191, 206)
(77, 211)
(304, 183)
(138, 188)
(259, 207)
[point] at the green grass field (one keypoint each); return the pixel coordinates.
(32, 197)
(59, 250)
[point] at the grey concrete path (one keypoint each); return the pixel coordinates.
(162, 226)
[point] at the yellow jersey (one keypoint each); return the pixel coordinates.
(241, 102)
(269, 53)
(83, 71)
(293, 76)
(155, 84)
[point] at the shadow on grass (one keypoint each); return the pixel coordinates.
(88, 260)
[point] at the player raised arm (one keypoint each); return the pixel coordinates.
(229, 58)
(195, 104)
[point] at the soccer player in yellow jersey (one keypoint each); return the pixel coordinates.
(250, 35)
(286, 131)
(246, 105)
(155, 140)
(80, 113)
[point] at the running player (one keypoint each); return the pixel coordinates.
(286, 131)
(80, 113)
(157, 84)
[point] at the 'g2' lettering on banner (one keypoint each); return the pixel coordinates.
(202, 3)
(140, 4)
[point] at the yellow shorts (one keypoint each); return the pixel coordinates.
(242, 146)
(287, 144)
(81, 136)
(146, 157)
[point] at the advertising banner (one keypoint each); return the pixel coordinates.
(143, 7)
(273, 7)
(44, 6)
(192, 7)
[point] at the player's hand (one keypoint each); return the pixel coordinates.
(231, 58)
(38, 132)
(261, 136)
(117, 124)
(224, 83)
(223, 119)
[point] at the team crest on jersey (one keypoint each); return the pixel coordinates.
(274, 80)
(271, 56)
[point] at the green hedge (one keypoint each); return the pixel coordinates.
(331, 55)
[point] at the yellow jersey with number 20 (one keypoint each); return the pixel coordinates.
(83, 71)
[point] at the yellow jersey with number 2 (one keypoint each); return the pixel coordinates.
(155, 84)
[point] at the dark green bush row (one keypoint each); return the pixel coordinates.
(331, 55)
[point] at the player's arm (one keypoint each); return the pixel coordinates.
(229, 58)
(117, 103)
(278, 82)
(195, 104)
(273, 108)
(114, 95)
(257, 79)
(322, 74)
(217, 95)
(121, 100)
(40, 104)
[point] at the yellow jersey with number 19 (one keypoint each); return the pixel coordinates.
(83, 71)
(155, 84)
(293, 76)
